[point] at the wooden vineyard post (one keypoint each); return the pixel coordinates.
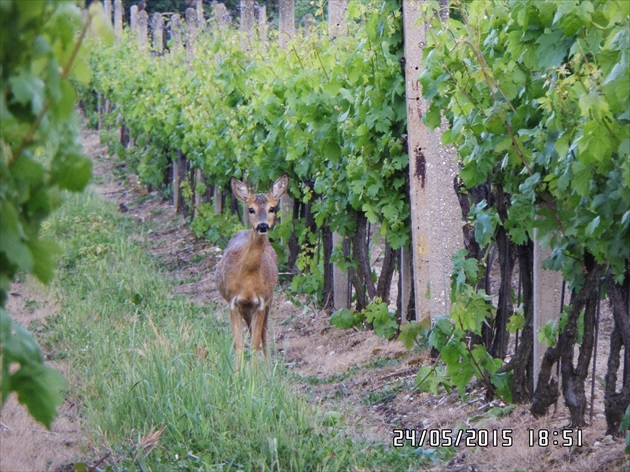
(435, 223)
(142, 25)
(218, 200)
(118, 22)
(341, 281)
(286, 22)
(157, 27)
(547, 299)
(176, 165)
(199, 181)
(102, 104)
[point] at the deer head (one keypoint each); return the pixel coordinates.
(261, 207)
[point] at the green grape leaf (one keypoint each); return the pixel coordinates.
(343, 319)
(40, 388)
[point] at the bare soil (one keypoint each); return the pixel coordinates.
(25, 445)
(367, 379)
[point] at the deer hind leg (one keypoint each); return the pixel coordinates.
(237, 335)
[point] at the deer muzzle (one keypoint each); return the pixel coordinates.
(262, 228)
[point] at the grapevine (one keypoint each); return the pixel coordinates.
(40, 157)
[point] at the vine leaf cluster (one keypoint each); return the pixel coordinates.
(537, 97)
(41, 158)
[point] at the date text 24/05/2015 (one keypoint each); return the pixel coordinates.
(484, 437)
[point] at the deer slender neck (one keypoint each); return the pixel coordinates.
(253, 251)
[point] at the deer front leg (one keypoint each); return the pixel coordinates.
(259, 333)
(257, 328)
(237, 336)
(265, 323)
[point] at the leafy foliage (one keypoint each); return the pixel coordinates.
(343, 319)
(382, 319)
(411, 332)
(376, 313)
(329, 114)
(38, 387)
(537, 95)
(215, 228)
(40, 156)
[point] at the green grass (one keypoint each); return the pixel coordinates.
(154, 374)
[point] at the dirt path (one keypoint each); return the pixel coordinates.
(25, 445)
(367, 379)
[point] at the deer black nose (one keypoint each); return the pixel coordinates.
(262, 227)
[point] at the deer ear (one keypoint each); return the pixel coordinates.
(240, 190)
(280, 187)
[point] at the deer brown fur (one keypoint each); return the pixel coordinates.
(248, 271)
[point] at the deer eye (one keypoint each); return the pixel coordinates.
(252, 211)
(272, 210)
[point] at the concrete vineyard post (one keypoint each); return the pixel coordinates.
(261, 17)
(341, 282)
(176, 32)
(107, 8)
(247, 24)
(336, 18)
(220, 15)
(286, 31)
(547, 298)
(191, 34)
(286, 22)
(201, 21)
(435, 223)
(143, 24)
(157, 23)
(133, 18)
(118, 22)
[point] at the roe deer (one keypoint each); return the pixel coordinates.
(248, 271)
